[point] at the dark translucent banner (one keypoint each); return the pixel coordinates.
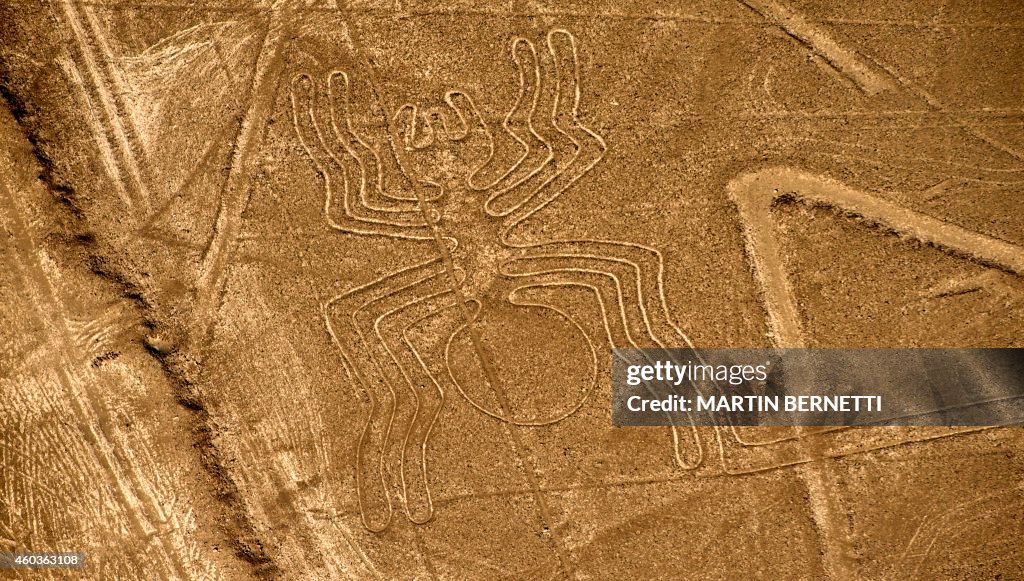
(818, 387)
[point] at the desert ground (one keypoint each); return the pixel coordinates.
(302, 289)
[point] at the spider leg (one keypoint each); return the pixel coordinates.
(417, 406)
(420, 303)
(518, 133)
(639, 269)
(573, 149)
(375, 193)
(355, 216)
(375, 385)
(578, 149)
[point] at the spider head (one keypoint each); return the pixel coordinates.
(442, 143)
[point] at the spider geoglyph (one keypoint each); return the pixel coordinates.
(484, 268)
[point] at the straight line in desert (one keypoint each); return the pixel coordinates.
(754, 195)
(544, 513)
(137, 153)
(121, 129)
(869, 74)
(235, 193)
(809, 34)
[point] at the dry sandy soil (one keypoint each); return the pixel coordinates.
(318, 290)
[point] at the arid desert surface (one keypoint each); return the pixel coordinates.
(328, 290)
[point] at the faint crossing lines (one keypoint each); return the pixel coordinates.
(116, 122)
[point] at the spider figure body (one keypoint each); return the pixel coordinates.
(491, 283)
